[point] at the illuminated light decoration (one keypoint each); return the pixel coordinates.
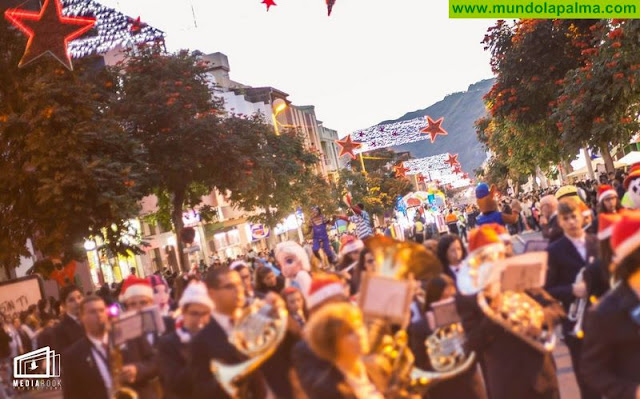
(434, 128)
(112, 29)
(49, 31)
(453, 160)
(348, 147)
(400, 170)
(269, 3)
(392, 134)
(330, 4)
(427, 164)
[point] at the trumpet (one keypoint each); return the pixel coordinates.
(257, 334)
(577, 309)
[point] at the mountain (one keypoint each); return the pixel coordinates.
(460, 111)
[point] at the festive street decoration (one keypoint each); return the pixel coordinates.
(400, 170)
(427, 164)
(269, 3)
(453, 160)
(112, 29)
(330, 4)
(434, 129)
(48, 31)
(457, 170)
(348, 147)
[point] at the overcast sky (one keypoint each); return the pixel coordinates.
(371, 60)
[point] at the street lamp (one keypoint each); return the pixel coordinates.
(278, 106)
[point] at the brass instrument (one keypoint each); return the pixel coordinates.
(118, 390)
(577, 309)
(256, 334)
(445, 348)
(407, 260)
(515, 311)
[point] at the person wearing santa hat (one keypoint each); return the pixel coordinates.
(606, 221)
(137, 294)
(574, 253)
(173, 348)
(608, 201)
(511, 367)
(611, 353)
(632, 185)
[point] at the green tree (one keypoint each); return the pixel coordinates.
(69, 171)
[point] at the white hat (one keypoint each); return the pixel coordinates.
(196, 292)
(237, 264)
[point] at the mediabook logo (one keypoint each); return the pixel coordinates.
(40, 363)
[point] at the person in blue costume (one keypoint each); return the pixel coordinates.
(320, 236)
(489, 213)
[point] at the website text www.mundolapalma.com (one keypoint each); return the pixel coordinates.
(590, 9)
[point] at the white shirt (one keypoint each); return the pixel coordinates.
(97, 350)
(581, 246)
(224, 321)
(455, 269)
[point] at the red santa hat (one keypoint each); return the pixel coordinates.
(135, 286)
(350, 244)
(491, 234)
(323, 287)
(606, 191)
(606, 221)
(633, 174)
(625, 237)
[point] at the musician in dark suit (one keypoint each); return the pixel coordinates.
(69, 330)
(226, 290)
(173, 349)
(86, 366)
(611, 351)
(568, 255)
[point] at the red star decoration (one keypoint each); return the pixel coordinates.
(48, 31)
(434, 128)
(457, 169)
(269, 3)
(136, 25)
(422, 178)
(400, 170)
(330, 4)
(453, 160)
(465, 175)
(347, 146)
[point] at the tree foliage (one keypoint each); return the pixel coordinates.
(69, 171)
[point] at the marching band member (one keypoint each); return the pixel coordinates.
(569, 256)
(514, 369)
(69, 330)
(87, 364)
(173, 348)
(611, 353)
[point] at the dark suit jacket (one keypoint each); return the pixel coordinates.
(611, 349)
(212, 343)
(173, 360)
(81, 376)
(513, 368)
(551, 231)
(466, 385)
(66, 333)
(564, 264)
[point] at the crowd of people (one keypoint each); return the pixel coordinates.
(219, 320)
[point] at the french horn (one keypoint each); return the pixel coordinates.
(257, 334)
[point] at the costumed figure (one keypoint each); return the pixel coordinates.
(632, 185)
(488, 205)
(295, 265)
(318, 226)
(511, 332)
(161, 294)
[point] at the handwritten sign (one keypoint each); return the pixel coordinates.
(17, 295)
(524, 271)
(445, 313)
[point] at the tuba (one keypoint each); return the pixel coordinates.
(403, 261)
(257, 334)
(514, 310)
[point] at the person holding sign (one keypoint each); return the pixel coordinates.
(611, 351)
(571, 258)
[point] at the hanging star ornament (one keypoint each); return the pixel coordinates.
(400, 170)
(48, 31)
(347, 146)
(457, 169)
(465, 176)
(269, 3)
(330, 4)
(434, 129)
(453, 160)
